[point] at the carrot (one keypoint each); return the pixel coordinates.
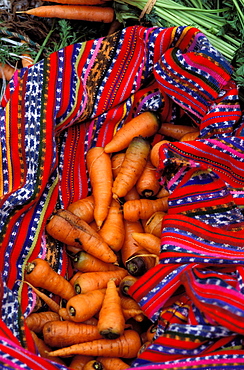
(115, 26)
(78, 12)
(132, 194)
(154, 153)
(128, 303)
(148, 241)
(111, 322)
(85, 262)
(79, 2)
(148, 185)
(162, 192)
(70, 229)
(36, 320)
(134, 162)
(63, 314)
(53, 306)
(6, 71)
(66, 333)
(190, 136)
(26, 59)
(112, 230)
(71, 250)
(126, 346)
(130, 246)
(84, 306)
(113, 363)
(133, 313)
(83, 208)
(140, 262)
(101, 177)
(145, 124)
(75, 276)
(154, 224)
(176, 131)
(89, 281)
(44, 349)
(116, 162)
(144, 208)
(40, 274)
(78, 362)
(126, 283)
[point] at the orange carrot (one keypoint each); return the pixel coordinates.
(111, 322)
(79, 2)
(100, 171)
(134, 163)
(116, 162)
(126, 346)
(130, 246)
(78, 362)
(154, 224)
(154, 153)
(163, 192)
(84, 306)
(126, 283)
(53, 306)
(36, 320)
(140, 262)
(85, 262)
(83, 208)
(176, 131)
(129, 313)
(148, 185)
(40, 274)
(26, 59)
(113, 363)
(44, 349)
(78, 12)
(148, 241)
(6, 71)
(75, 276)
(98, 280)
(63, 314)
(145, 124)
(112, 230)
(70, 229)
(144, 208)
(132, 194)
(129, 302)
(190, 136)
(66, 333)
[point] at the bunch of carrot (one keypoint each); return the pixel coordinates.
(112, 237)
(85, 10)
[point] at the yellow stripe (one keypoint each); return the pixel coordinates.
(8, 151)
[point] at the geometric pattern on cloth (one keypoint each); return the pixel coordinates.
(77, 98)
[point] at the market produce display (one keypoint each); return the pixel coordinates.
(177, 286)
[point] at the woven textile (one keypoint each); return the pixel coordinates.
(54, 111)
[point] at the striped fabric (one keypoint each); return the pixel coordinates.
(54, 111)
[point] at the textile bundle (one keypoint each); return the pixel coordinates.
(55, 110)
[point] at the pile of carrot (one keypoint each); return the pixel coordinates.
(112, 237)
